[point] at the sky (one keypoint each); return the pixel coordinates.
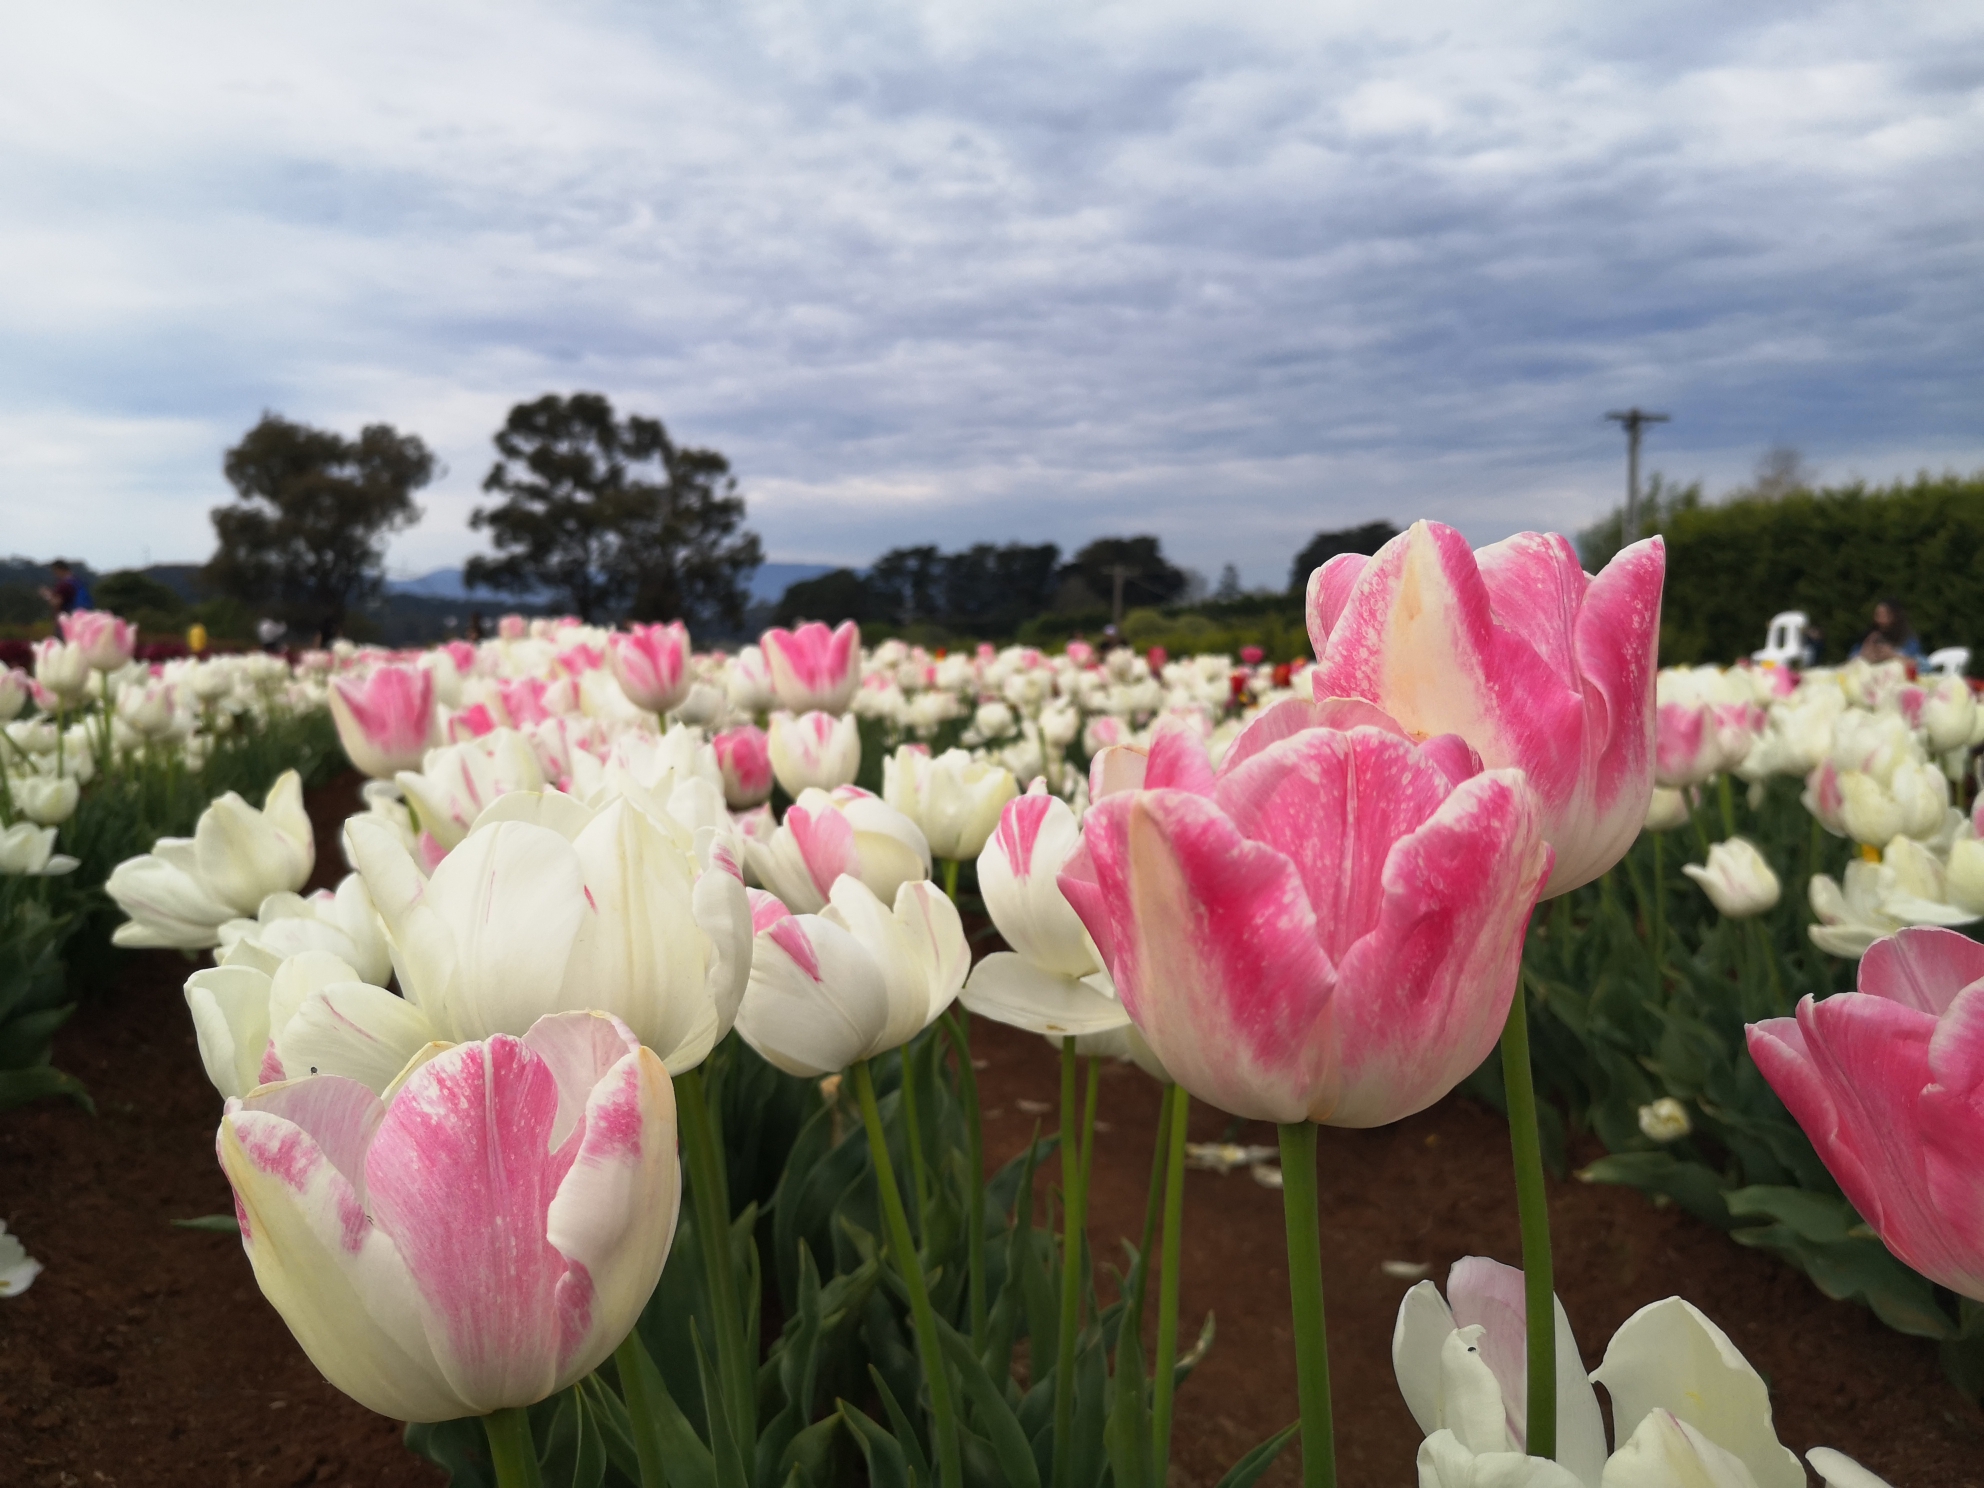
(1231, 273)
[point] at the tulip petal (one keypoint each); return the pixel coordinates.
(817, 1001)
(421, 944)
(516, 894)
(1424, 1321)
(230, 1007)
(614, 1214)
(1328, 591)
(335, 1278)
(461, 1175)
(1421, 999)
(1193, 912)
(1036, 835)
(1669, 1358)
(356, 1030)
(1008, 988)
(1837, 1470)
(1922, 968)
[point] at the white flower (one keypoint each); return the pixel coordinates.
(1665, 1120)
(29, 851)
(18, 1269)
(44, 800)
(954, 798)
(815, 751)
(1738, 880)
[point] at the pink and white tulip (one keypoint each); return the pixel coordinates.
(106, 641)
(483, 1235)
(744, 755)
(1695, 742)
(827, 835)
(385, 720)
(1886, 1082)
(814, 669)
(651, 663)
(456, 783)
(1052, 981)
(1328, 930)
(1537, 665)
(814, 751)
(856, 980)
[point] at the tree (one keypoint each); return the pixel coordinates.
(1229, 585)
(1136, 563)
(304, 540)
(613, 517)
(908, 584)
(832, 597)
(1327, 545)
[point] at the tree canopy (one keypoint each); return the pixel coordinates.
(306, 538)
(1148, 577)
(1324, 546)
(611, 516)
(986, 589)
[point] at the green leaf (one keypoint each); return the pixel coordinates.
(990, 1411)
(460, 1446)
(888, 1466)
(919, 1464)
(1694, 1187)
(725, 1452)
(689, 1462)
(19, 1086)
(808, 1457)
(1127, 1434)
(1247, 1471)
(220, 1224)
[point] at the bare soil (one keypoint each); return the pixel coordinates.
(144, 1355)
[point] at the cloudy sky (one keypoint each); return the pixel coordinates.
(1224, 271)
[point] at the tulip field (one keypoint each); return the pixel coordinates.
(790, 1066)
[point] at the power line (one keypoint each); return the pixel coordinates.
(1634, 420)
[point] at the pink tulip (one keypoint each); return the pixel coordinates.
(744, 755)
(652, 665)
(1329, 930)
(513, 627)
(469, 723)
(814, 669)
(107, 641)
(1695, 742)
(385, 719)
(481, 1238)
(1888, 1082)
(1537, 665)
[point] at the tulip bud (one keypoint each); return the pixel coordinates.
(954, 798)
(744, 755)
(1964, 878)
(384, 720)
(62, 668)
(812, 668)
(45, 800)
(1738, 880)
(1665, 1120)
(106, 641)
(1949, 715)
(815, 751)
(651, 663)
(1666, 810)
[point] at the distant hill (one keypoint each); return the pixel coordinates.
(768, 584)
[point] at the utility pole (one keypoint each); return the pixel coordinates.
(1633, 420)
(1118, 572)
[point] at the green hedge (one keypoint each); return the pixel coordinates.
(1831, 553)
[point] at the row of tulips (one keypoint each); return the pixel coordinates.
(99, 755)
(1300, 897)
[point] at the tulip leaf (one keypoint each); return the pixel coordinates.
(808, 1457)
(219, 1224)
(461, 1446)
(990, 1411)
(912, 1447)
(19, 1086)
(1247, 1471)
(725, 1451)
(1127, 1435)
(689, 1461)
(888, 1465)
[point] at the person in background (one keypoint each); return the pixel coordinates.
(65, 595)
(478, 628)
(1891, 637)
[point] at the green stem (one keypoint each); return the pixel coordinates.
(1305, 1293)
(951, 879)
(1154, 1203)
(919, 1174)
(1073, 1223)
(510, 1448)
(958, 1025)
(1660, 909)
(1539, 1286)
(712, 1208)
(1726, 793)
(1778, 1006)
(950, 1461)
(643, 1411)
(1165, 1360)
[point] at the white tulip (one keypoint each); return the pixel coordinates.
(1964, 876)
(344, 924)
(954, 798)
(1949, 714)
(1738, 879)
(815, 751)
(547, 906)
(853, 981)
(456, 782)
(62, 668)
(1666, 810)
(28, 851)
(45, 801)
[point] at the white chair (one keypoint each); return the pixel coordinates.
(1784, 643)
(1950, 661)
